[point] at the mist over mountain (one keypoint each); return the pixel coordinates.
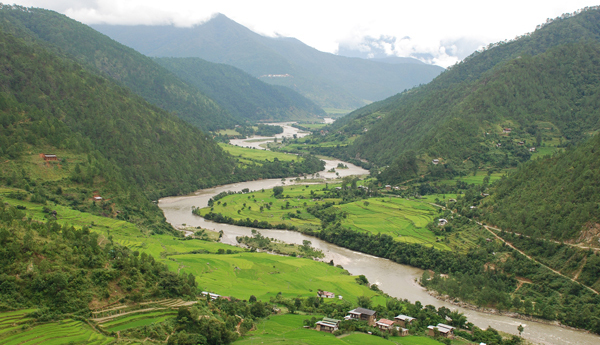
(331, 81)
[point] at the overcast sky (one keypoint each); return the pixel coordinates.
(439, 32)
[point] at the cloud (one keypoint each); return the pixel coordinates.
(437, 31)
(443, 52)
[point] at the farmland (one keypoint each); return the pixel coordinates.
(246, 154)
(15, 328)
(138, 320)
(405, 220)
(265, 275)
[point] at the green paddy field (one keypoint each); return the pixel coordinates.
(405, 220)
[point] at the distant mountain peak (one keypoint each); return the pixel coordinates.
(329, 80)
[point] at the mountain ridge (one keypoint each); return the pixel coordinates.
(334, 82)
(460, 116)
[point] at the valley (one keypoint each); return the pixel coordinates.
(164, 198)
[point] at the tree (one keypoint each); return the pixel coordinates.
(364, 302)
(520, 329)
(277, 191)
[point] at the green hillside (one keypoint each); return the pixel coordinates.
(241, 94)
(109, 141)
(329, 80)
(100, 54)
(543, 86)
(555, 197)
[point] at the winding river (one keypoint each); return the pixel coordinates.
(395, 279)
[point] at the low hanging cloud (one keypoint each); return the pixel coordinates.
(444, 52)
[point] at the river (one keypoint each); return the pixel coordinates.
(395, 279)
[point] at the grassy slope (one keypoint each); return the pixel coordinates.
(295, 276)
(265, 275)
(257, 155)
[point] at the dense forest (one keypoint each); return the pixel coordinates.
(48, 101)
(61, 269)
(553, 197)
(542, 87)
(100, 55)
(244, 96)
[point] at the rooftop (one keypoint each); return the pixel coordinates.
(363, 311)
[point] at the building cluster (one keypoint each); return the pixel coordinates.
(444, 330)
(370, 316)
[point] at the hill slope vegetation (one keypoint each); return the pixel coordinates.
(244, 96)
(542, 86)
(100, 54)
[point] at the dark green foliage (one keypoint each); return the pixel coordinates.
(243, 95)
(221, 327)
(99, 54)
(61, 268)
(56, 102)
(551, 76)
(554, 197)
(273, 169)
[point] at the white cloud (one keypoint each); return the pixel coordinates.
(445, 31)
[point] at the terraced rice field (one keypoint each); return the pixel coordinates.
(17, 329)
(406, 220)
(138, 320)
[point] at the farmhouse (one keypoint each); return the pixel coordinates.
(521, 143)
(403, 320)
(385, 324)
(507, 130)
(325, 294)
(498, 144)
(442, 222)
(97, 197)
(328, 325)
(435, 161)
(388, 187)
(211, 295)
(403, 332)
(48, 157)
(532, 149)
(362, 314)
(446, 331)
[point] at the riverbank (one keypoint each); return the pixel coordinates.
(492, 311)
(395, 279)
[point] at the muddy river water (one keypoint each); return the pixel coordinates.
(395, 279)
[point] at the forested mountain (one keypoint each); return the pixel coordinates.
(100, 54)
(243, 95)
(555, 197)
(329, 80)
(115, 141)
(495, 105)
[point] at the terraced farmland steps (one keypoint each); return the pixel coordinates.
(109, 317)
(16, 328)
